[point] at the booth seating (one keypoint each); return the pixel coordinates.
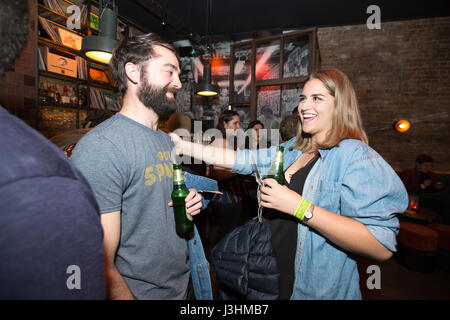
(417, 247)
(443, 255)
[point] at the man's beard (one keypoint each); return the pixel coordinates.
(156, 99)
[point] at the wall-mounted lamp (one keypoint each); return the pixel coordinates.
(402, 125)
(206, 88)
(99, 48)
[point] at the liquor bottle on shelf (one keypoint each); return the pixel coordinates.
(43, 93)
(81, 97)
(50, 94)
(73, 98)
(65, 98)
(57, 94)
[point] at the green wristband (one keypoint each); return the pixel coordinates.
(303, 206)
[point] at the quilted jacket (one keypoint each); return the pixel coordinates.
(245, 263)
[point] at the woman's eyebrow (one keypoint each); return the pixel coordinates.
(313, 95)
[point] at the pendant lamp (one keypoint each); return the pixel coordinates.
(206, 88)
(99, 48)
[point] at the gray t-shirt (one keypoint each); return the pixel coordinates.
(129, 168)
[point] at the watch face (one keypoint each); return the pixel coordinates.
(308, 214)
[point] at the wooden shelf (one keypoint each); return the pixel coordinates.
(97, 93)
(62, 77)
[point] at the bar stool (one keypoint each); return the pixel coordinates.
(417, 247)
(443, 254)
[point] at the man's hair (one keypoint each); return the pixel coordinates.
(289, 126)
(14, 28)
(424, 158)
(137, 50)
(346, 123)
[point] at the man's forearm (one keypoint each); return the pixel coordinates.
(116, 287)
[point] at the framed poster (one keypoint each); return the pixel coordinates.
(70, 39)
(242, 74)
(268, 60)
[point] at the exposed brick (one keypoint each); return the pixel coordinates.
(400, 71)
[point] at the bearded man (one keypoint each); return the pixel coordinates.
(128, 162)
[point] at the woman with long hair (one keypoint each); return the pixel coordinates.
(340, 199)
(228, 124)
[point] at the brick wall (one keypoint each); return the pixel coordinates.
(399, 71)
(18, 87)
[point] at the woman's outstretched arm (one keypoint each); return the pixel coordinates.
(216, 156)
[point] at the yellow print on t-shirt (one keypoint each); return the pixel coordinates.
(160, 170)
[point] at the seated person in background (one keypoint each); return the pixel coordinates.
(50, 231)
(254, 137)
(289, 127)
(422, 181)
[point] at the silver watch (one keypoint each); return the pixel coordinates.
(308, 214)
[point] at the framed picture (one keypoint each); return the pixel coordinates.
(268, 60)
(296, 56)
(61, 62)
(242, 74)
(98, 75)
(70, 39)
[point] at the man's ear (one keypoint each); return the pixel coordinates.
(132, 72)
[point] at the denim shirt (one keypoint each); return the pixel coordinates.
(351, 180)
(198, 264)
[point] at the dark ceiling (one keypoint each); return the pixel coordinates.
(239, 19)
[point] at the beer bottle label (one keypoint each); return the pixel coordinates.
(178, 176)
(278, 157)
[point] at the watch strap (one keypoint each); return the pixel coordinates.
(303, 206)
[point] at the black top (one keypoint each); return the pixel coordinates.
(284, 235)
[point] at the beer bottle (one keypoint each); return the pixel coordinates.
(276, 170)
(183, 221)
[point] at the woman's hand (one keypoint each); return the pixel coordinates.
(176, 139)
(193, 202)
(279, 197)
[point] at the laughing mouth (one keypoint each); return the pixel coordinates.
(307, 117)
